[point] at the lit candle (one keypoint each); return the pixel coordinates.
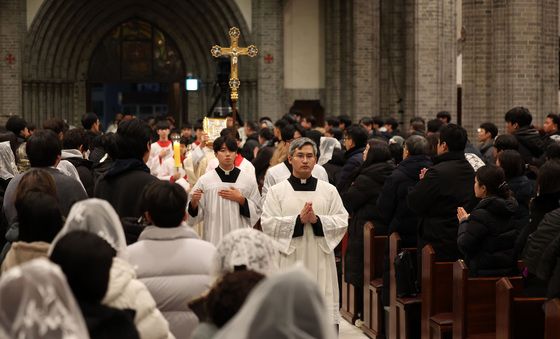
(177, 154)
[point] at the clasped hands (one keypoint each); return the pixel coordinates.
(462, 215)
(231, 193)
(307, 214)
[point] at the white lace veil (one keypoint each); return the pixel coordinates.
(284, 306)
(98, 217)
(36, 302)
(8, 168)
(326, 149)
(246, 247)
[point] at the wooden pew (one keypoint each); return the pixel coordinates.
(474, 303)
(404, 313)
(374, 253)
(348, 309)
(552, 319)
(437, 302)
(517, 316)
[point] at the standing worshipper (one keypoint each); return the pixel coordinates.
(160, 150)
(306, 216)
(226, 198)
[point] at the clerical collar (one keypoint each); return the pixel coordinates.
(228, 176)
(309, 184)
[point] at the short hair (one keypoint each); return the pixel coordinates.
(251, 125)
(445, 115)
(454, 136)
(229, 142)
(132, 139)
(36, 180)
(490, 128)
(74, 138)
(519, 115)
(552, 151)
(555, 118)
(266, 133)
(165, 202)
(393, 122)
(378, 121)
(184, 141)
(366, 121)
(186, 125)
(378, 152)
(43, 148)
(162, 124)
(299, 128)
(512, 163)
(314, 135)
(358, 134)
(337, 133)
(88, 120)
(54, 124)
(299, 143)
(344, 119)
(333, 121)
(417, 118)
(418, 126)
(290, 118)
(548, 179)
(230, 133)
(287, 132)
(417, 145)
(281, 123)
(506, 141)
(434, 125)
(198, 126)
(15, 124)
(311, 119)
(39, 216)
(86, 260)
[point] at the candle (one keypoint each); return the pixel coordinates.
(177, 154)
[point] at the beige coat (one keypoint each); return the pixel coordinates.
(22, 252)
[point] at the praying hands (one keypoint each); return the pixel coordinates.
(307, 214)
(232, 194)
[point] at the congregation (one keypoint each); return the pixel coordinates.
(152, 230)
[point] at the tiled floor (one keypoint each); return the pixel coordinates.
(348, 331)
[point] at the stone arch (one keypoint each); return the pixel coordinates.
(65, 33)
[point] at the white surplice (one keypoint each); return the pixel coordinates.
(280, 211)
(219, 215)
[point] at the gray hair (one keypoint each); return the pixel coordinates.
(417, 145)
(299, 143)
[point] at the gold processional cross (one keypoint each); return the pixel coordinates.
(234, 51)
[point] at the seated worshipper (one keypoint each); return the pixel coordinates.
(43, 150)
(59, 126)
(169, 172)
(123, 184)
(226, 198)
(36, 302)
(125, 290)
(239, 161)
(160, 150)
(225, 299)
(72, 151)
(361, 202)
(170, 258)
(285, 305)
(86, 260)
(486, 236)
(306, 216)
(39, 221)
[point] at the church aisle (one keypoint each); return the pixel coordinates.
(348, 331)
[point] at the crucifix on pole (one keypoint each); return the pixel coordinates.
(234, 51)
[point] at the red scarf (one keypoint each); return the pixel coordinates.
(164, 143)
(238, 159)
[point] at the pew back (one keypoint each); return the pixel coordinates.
(552, 319)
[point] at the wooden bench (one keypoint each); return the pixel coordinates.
(517, 316)
(348, 309)
(552, 319)
(474, 303)
(374, 255)
(404, 313)
(437, 303)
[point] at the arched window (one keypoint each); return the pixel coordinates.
(136, 51)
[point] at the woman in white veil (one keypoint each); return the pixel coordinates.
(8, 168)
(326, 149)
(125, 291)
(36, 302)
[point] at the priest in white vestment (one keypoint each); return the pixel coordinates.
(307, 218)
(226, 198)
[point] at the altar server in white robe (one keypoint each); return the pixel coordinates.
(226, 198)
(307, 218)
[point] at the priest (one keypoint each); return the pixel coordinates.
(225, 198)
(308, 220)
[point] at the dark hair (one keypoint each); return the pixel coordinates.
(228, 295)
(378, 152)
(186, 125)
(74, 138)
(336, 133)
(393, 122)
(165, 202)
(333, 121)
(86, 260)
(299, 128)
(287, 132)
(184, 141)
(290, 118)
(366, 121)
(311, 119)
(548, 180)
(417, 145)
(43, 148)
(16, 124)
(358, 134)
(555, 118)
(493, 178)
(552, 151)
(39, 217)
(396, 152)
(454, 136)
(445, 115)
(512, 163)
(506, 141)
(251, 125)
(230, 133)
(281, 123)
(266, 133)
(54, 124)
(433, 140)
(88, 120)
(198, 126)
(519, 115)
(378, 121)
(434, 125)
(132, 139)
(162, 124)
(344, 119)
(315, 136)
(490, 128)
(417, 118)
(418, 126)
(230, 143)
(36, 180)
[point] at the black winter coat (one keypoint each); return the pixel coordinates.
(334, 166)
(109, 323)
(392, 204)
(353, 159)
(531, 145)
(446, 185)
(523, 190)
(539, 254)
(487, 237)
(85, 171)
(361, 202)
(550, 267)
